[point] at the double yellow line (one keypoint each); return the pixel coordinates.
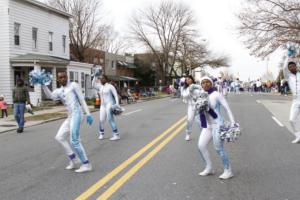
(112, 189)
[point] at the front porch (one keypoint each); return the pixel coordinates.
(23, 64)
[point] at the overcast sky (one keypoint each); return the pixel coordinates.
(216, 22)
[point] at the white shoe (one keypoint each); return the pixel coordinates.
(101, 137)
(295, 141)
(187, 137)
(114, 138)
(206, 172)
(227, 174)
(84, 168)
(73, 164)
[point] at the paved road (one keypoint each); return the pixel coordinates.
(266, 165)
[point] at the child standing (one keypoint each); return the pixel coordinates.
(3, 106)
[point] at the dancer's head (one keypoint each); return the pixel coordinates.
(292, 67)
(206, 83)
(104, 79)
(62, 78)
(189, 79)
(20, 82)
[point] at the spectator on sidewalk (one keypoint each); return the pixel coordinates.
(20, 99)
(137, 90)
(3, 106)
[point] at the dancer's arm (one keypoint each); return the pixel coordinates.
(96, 85)
(114, 93)
(81, 99)
(224, 103)
(51, 95)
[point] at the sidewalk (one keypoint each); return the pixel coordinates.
(44, 116)
(9, 123)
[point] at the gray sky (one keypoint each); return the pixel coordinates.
(216, 22)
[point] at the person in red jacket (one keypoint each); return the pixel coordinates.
(3, 106)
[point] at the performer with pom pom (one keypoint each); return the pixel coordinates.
(71, 96)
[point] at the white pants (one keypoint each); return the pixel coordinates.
(68, 136)
(191, 115)
(105, 112)
(207, 134)
(294, 113)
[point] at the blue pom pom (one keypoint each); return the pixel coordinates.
(40, 77)
(291, 51)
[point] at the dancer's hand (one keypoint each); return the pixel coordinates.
(89, 120)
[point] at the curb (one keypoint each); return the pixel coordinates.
(58, 118)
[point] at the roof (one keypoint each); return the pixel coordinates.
(48, 8)
(39, 58)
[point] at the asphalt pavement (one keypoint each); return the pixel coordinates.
(264, 162)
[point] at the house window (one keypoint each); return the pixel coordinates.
(17, 34)
(112, 64)
(73, 76)
(64, 40)
(34, 37)
(50, 41)
(82, 80)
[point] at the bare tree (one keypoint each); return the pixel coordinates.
(160, 29)
(267, 25)
(86, 29)
(194, 53)
(112, 41)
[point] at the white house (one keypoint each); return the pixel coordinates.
(81, 73)
(32, 36)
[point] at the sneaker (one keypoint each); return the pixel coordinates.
(101, 137)
(227, 174)
(74, 164)
(187, 137)
(295, 141)
(206, 172)
(84, 168)
(114, 138)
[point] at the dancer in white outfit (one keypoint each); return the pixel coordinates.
(109, 98)
(293, 76)
(188, 91)
(71, 96)
(216, 100)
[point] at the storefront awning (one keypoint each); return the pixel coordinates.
(121, 78)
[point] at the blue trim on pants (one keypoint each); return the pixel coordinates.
(218, 143)
(75, 135)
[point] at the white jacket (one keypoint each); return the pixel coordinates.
(294, 81)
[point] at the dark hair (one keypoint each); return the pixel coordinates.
(291, 63)
(65, 72)
(106, 78)
(191, 77)
(21, 81)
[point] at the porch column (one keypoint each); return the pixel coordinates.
(54, 78)
(37, 90)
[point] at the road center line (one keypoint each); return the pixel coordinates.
(277, 121)
(258, 101)
(129, 113)
(112, 189)
(90, 191)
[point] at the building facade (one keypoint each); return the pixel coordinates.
(33, 36)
